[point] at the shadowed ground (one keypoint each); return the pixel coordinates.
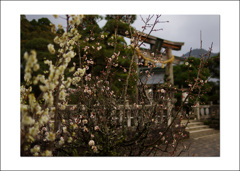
(203, 146)
(206, 146)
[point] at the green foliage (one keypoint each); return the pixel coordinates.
(187, 74)
(120, 21)
(89, 26)
(124, 18)
(36, 35)
(73, 98)
(214, 67)
(37, 43)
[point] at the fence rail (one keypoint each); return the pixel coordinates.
(140, 114)
(204, 112)
(134, 114)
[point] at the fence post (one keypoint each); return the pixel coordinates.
(135, 116)
(129, 118)
(161, 116)
(121, 117)
(207, 112)
(197, 111)
(202, 112)
(211, 108)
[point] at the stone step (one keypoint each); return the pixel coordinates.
(194, 124)
(190, 121)
(202, 132)
(196, 127)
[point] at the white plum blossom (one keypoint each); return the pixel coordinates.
(62, 107)
(85, 121)
(33, 131)
(88, 77)
(91, 143)
(47, 153)
(96, 128)
(60, 26)
(51, 136)
(35, 149)
(27, 76)
(53, 27)
(95, 150)
(62, 95)
(51, 48)
(85, 129)
(163, 91)
(25, 56)
(71, 54)
(99, 48)
(74, 126)
(43, 120)
(56, 40)
(64, 129)
(27, 120)
(69, 139)
(75, 80)
(61, 142)
(36, 67)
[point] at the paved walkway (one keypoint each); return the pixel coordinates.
(205, 146)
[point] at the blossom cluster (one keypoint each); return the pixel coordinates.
(31, 64)
(37, 118)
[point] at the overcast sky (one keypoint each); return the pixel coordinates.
(180, 28)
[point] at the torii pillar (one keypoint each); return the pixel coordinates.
(169, 46)
(169, 67)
